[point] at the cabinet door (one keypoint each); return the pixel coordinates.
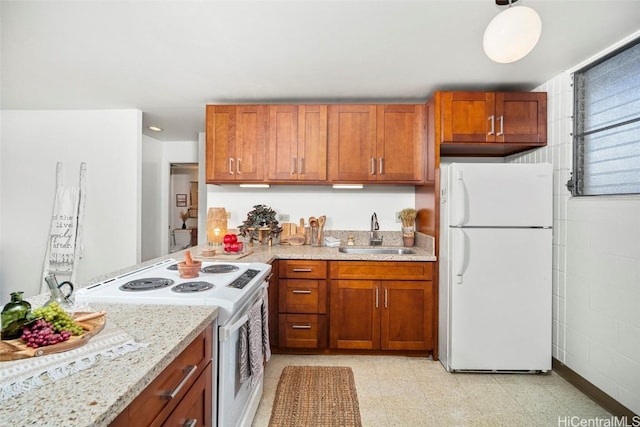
(283, 142)
(407, 315)
(312, 142)
(298, 142)
(251, 137)
(235, 142)
(521, 117)
(355, 314)
(468, 117)
(400, 143)
(220, 143)
(352, 143)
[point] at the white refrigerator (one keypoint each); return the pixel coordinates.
(495, 290)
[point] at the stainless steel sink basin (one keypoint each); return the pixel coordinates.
(382, 251)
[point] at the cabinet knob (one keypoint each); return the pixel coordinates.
(301, 326)
(301, 291)
(492, 119)
(230, 165)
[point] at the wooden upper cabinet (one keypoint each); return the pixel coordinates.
(352, 142)
(400, 143)
(466, 116)
(521, 117)
(470, 122)
(297, 142)
(235, 143)
(376, 143)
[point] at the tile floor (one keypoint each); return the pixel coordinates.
(410, 391)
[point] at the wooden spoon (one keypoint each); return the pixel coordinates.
(321, 221)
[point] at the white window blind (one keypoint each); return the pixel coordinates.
(607, 125)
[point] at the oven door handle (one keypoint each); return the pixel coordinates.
(224, 332)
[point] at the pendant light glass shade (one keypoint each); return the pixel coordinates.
(512, 34)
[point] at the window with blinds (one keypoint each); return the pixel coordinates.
(606, 142)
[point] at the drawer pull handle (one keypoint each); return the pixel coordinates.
(188, 372)
(190, 423)
(300, 291)
(302, 270)
(300, 326)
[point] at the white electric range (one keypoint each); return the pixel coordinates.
(231, 286)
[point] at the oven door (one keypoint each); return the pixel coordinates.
(237, 400)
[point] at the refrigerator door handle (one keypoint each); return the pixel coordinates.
(460, 256)
(461, 207)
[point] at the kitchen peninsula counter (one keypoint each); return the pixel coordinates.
(95, 396)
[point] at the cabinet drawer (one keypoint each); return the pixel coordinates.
(159, 399)
(195, 409)
(303, 331)
(303, 296)
(302, 269)
(390, 270)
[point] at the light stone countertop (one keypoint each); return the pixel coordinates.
(424, 250)
(94, 397)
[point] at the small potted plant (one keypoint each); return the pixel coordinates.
(262, 219)
(408, 218)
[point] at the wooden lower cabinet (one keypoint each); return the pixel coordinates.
(182, 395)
(353, 306)
(196, 406)
(381, 315)
(302, 304)
(303, 330)
(370, 311)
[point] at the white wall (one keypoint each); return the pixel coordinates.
(152, 226)
(596, 262)
(109, 141)
(345, 209)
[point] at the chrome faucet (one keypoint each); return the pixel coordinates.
(374, 238)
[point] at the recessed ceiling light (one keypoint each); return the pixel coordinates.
(155, 128)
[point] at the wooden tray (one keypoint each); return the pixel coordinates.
(17, 349)
(223, 256)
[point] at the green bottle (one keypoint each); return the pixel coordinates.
(14, 315)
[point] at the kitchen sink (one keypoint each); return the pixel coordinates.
(378, 250)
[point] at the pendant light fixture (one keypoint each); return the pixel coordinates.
(512, 34)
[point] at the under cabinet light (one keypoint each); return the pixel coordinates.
(348, 186)
(254, 185)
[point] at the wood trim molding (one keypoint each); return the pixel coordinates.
(593, 392)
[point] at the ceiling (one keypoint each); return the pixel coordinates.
(171, 58)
